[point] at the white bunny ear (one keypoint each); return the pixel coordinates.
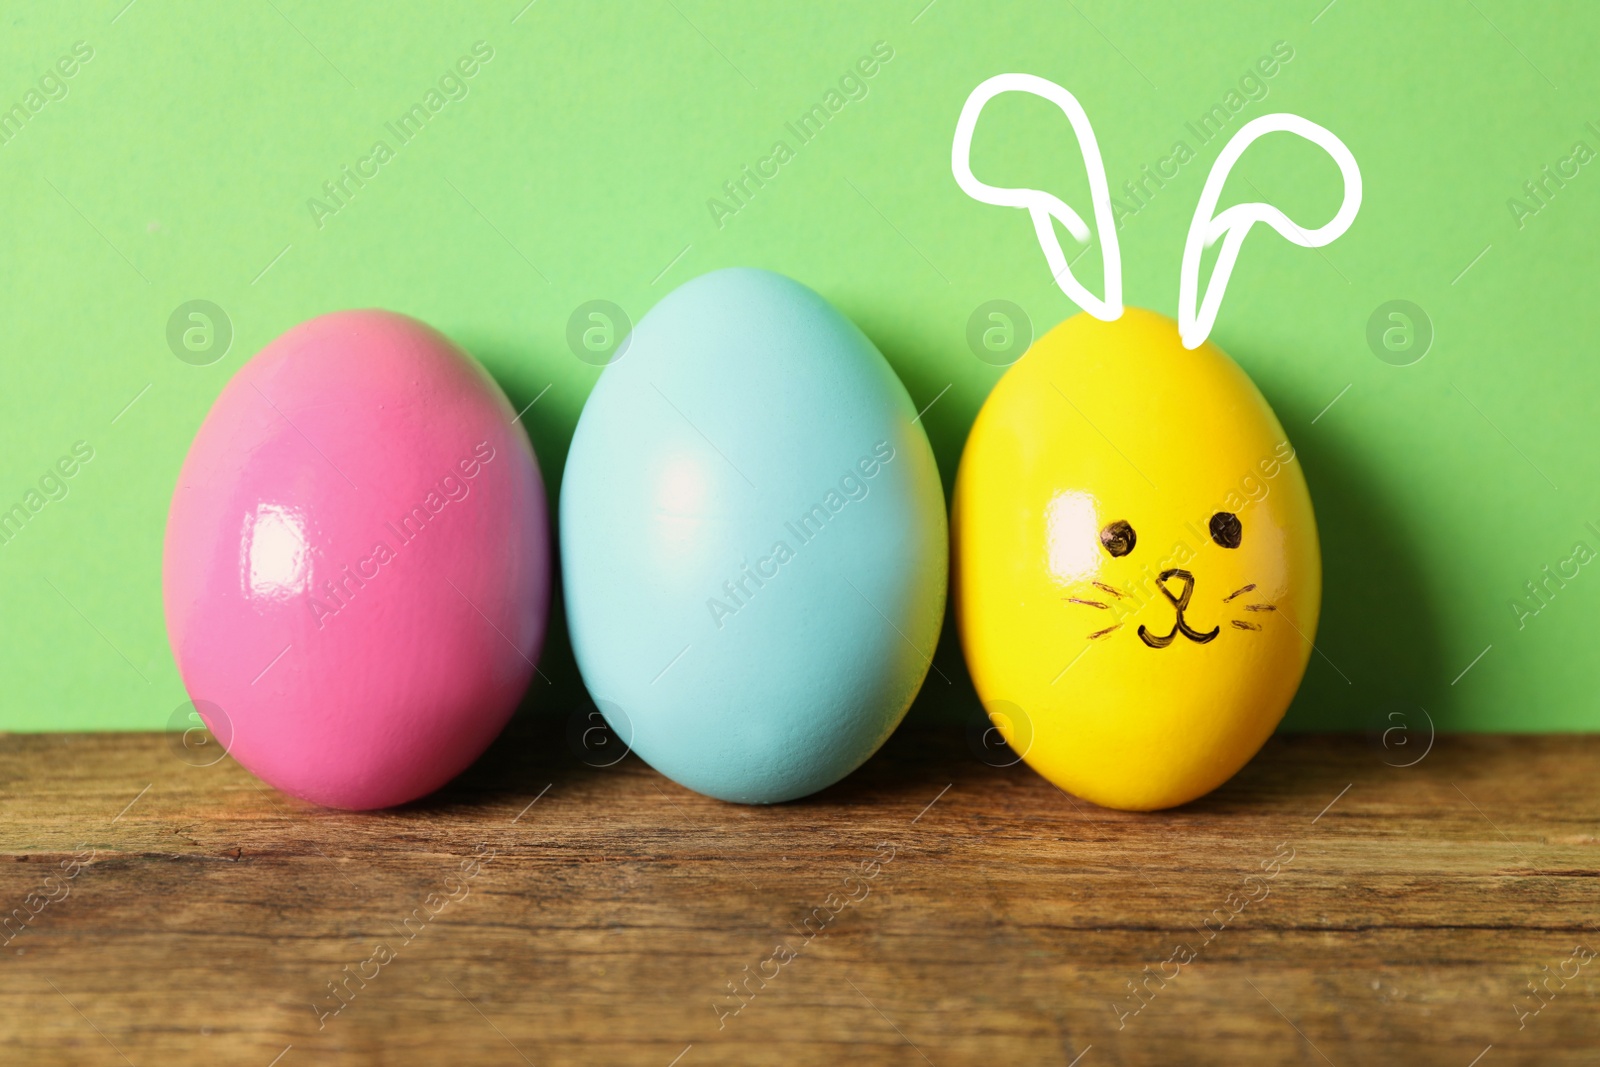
(1042, 207)
(1195, 320)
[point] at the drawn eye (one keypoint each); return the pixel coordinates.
(1225, 529)
(1119, 538)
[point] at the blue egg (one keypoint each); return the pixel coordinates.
(753, 541)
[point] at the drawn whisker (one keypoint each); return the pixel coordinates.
(1102, 633)
(1088, 603)
(1103, 587)
(1238, 592)
(1261, 607)
(1240, 624)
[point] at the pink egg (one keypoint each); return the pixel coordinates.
(357, 564)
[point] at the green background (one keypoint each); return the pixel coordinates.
(180, 162)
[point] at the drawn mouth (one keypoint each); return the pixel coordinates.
(1179, 604)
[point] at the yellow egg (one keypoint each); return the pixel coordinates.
(1137, 575)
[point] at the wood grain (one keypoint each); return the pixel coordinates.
(996, 920)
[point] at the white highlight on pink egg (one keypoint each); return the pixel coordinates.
(276, 564)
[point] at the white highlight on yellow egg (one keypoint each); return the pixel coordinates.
(1070, 531)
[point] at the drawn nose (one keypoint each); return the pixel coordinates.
(1180, 599)
(1180, 603)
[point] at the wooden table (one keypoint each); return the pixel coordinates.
(1324, 907)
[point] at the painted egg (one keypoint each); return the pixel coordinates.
(1137, 570)
(357, 562)
(753, 541)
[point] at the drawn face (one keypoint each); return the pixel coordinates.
(1176, 584)
(1137, 571)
